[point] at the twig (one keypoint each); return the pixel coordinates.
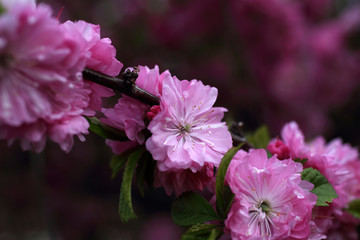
(126, 86)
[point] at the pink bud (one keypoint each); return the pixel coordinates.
(152, 112)
(278, 147)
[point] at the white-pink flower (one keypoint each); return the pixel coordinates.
(271, 200)
(188, 133)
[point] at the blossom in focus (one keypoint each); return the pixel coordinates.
(188, 133)
(271, 201)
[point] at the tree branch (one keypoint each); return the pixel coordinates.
(126, 86)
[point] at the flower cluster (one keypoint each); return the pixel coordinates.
(44, 94)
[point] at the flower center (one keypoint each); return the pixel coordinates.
(184, 128)
(265, 206)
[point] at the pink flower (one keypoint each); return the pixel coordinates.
(338, 162)
(41, 90)
(99, 55)
(188, 133)
(184, 180)
(334, 160)
(271, 200)
(129, 114)
(278, 147)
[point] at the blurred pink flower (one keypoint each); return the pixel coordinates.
(303, 65)
(188, 133)
(41, 87)
(99, 55)
(271, 200)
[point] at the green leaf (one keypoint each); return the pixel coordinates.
(191, 209)
(261, 137)
(322, 188)
(302, 161)
(354, 208)
(126, 211)
(2, 9)
(215, 234)
(202, 232)
(220, 178)
(106, 131)
(228, 199)
(117, 163)
(145, 165)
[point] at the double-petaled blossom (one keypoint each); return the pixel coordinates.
(337, 161)
(271, 201)
(42, 92)
(99, 56)
(188, 133)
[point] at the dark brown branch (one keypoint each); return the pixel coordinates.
(126, 87)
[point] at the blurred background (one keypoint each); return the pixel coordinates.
(272, 60)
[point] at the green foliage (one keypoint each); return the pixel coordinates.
(203, 232)
(106, 131)
(260, 138)
(118, 162)
(220, 178)
(144, 170)
(302, 161)
(191, 209)
(125, 204)
(2, 9)
(354, 208)
(322, 188)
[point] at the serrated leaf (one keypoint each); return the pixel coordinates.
(200, 232)
(260, 138)
(106, 131)
(322, 188)
(191, 209)
(126, 211)
(220, 178)
(354, 208)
